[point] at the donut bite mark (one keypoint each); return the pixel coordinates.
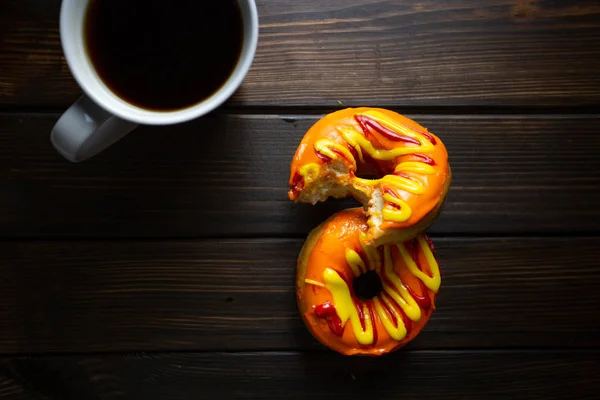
(410, 167)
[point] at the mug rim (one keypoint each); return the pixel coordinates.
(150, 117)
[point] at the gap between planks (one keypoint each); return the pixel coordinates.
(590, 111)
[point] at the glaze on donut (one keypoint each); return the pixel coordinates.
(408, 163)
(334, 256)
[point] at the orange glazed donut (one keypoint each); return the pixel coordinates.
(410, 165)
(359, 299)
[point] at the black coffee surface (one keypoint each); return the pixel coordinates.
(163, 55)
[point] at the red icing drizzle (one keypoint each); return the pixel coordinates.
(361, 121)
(297, 183)
(353, 151)
(384, 131)
(387, 190)
(388, 309)
(348, 282)
(334, 322)
(402, 174)
(387, 280)
(424, 159)
(407, 323)
(327, 310)
(359, 309)
(433, 250)
(422, 132)
(423, 301)
(370, 306)
(429, 243)
(327, 159)
(323, 157)
(413, 250)
(405, 320)
(356, 301)
(339, 153)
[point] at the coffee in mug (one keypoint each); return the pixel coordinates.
(149, 62)
(163, 55)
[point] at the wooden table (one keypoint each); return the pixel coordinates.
(167, 263)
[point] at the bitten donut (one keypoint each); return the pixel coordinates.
(358, 299)
(409, 165)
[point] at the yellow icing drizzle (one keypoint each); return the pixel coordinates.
(355, 262)
(416, 167)
(359, 152)
(393, 125)
(407, 184)
(309, 171)
(432, 282)
(398, 292)
(361, 144)
(353, 136)
(345, 308)
(401, 215)
(325, 146)
(396, 332)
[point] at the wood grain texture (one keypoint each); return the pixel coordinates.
(412, 375)
(226, 176)
(13, 386)
(9, 389)
(240, 295)
(362, 52)
(516, 316)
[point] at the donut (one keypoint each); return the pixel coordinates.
(393, 166)
(358, 299)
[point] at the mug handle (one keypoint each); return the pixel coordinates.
(86, 129)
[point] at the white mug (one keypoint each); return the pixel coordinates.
(100, 117)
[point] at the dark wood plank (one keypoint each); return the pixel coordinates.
(12, 386)
(240, 295)
(403, 52)
(421, 374)
(226, 176)
(9, 389)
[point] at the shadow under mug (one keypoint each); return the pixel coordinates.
(100, 118)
